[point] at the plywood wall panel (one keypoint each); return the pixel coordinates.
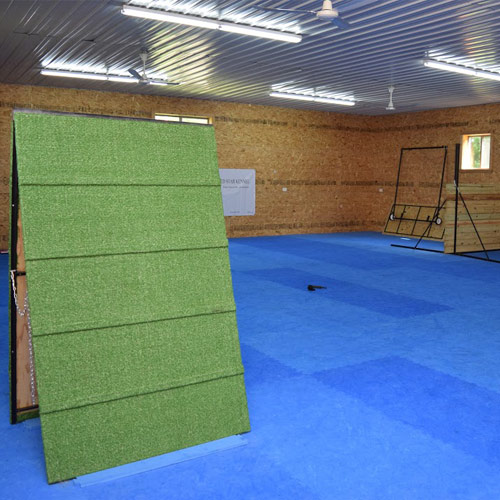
(431, 128)
(339, 170)
(314, 155)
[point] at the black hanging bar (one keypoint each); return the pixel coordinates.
(13, 265)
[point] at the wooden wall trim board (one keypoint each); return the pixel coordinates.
(338, 169)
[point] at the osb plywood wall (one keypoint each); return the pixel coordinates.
(430, 128)
(315, 171)
(311, 174)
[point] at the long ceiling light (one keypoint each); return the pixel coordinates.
(74, 74)
(202, 22)
(313, 98)
(101, 76)
(464, 70)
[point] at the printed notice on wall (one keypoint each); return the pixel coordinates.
(238, 191)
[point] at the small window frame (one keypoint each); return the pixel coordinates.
(466, 158)
(197, 120)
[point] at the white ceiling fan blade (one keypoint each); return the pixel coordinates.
(135, 74)
(338, 21)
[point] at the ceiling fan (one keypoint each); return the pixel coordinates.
(327, 11)
(390, 106)
(143, 79)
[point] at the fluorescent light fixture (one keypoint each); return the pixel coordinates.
(169, 17)
(73, 74)
(160, 82)
(450, 67)
(260, 32)
(201, 22)
(124, 79)
(100, 76)
(312, 98)
(298, 97)
(464, 70)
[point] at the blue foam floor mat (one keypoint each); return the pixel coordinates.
(385, 385)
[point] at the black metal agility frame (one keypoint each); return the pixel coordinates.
(437, 208)
(445, 148)
(458, 196)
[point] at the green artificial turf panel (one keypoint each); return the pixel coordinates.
(135, 338)
(101, 365)
(90, 439)
(95, 292)
(113, 151)
(102, 220)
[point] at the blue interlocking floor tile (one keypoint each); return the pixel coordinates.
(374, 299)
(261, 368)
(449, 409)
(348, 400)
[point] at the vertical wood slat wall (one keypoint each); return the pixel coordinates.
(483, 203)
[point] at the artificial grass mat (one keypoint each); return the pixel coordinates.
(103, 220)
(105, 435)
(113, 152)
(102, 365)
(135, 338)
(95, 292)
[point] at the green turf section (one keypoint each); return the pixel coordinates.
(113, 151)
(102, 220)
(150, 357)
(109, 434)
(94, 292)
(135, 337)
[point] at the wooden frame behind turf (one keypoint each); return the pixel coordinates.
(22, 405)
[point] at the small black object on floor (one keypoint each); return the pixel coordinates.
(313, 288)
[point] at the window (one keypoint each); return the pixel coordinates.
(200, 120)
(476, 151)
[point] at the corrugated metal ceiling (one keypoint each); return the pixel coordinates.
(385, 45)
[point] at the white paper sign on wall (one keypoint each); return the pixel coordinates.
(238, 191)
